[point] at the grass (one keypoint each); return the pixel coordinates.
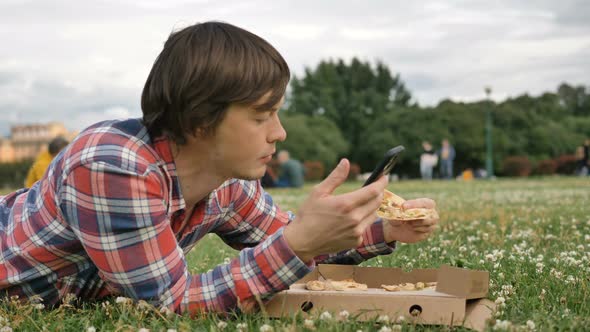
(532, 235)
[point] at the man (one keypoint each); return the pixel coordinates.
(446, 157)
(291, 171)
(43, 159)
(428, 160)
(586, 157)
(125, 202)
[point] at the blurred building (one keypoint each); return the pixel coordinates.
(27, 141)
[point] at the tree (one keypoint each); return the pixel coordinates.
(351, 96)
(313, 138)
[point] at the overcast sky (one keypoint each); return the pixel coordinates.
(84, 61)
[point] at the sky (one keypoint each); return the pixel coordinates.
(80, 62)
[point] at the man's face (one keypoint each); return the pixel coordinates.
(244, 141)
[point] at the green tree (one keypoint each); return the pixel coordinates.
(351, 96)
(313, 138)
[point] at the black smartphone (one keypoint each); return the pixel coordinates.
(385, 165)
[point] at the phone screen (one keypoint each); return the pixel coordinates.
(386, 164)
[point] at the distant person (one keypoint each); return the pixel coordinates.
(269, 178)
(582, 160)
(446, 157)
(43, 160)
(587, 155)
(428, 160)
(290, 171)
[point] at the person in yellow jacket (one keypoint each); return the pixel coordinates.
(43, 160)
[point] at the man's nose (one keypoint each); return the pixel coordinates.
(277, 132)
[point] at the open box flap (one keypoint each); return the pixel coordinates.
(469, 284)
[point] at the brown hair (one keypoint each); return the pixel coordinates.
(201, 71)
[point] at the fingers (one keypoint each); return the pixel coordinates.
(364, 195)
(426, 203)
(425, 229)
(334, 180)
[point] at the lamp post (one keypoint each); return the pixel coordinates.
(489, 146)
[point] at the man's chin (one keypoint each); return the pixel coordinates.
(251, 176)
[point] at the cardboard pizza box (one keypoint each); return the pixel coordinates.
(459, 297)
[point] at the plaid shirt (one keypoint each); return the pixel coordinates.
(107, 218)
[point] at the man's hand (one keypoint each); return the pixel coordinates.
(411, 231)
(328, 223)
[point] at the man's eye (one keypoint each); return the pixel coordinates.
(261, 120)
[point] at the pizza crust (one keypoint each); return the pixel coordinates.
(341, 285)
(408, 286)
(391, 208)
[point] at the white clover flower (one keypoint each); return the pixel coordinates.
(171, 330)
(91, 329)
(383, 319)
(6, 329)
(309, 324)
(123, 300)
(326, 315)
(221, 325)
(396, 328)
(166, 311)
(144, 305)
(542, 295)
(226, 260)
(385, 328)
(530, 325)
(400, 319)
(39, 306)
(343, 314)
(500, 300)
(143, 329)
(242, 327)
(266, 328)
(502, 325)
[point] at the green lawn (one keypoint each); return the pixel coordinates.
(532, 235)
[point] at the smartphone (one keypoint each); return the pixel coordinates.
(385, 165)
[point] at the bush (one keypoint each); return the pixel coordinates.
(355, 170)
(12, 175)
(566, 164)
(546, 167)
(516, 166)
(314, 170)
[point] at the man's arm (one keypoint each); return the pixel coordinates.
(254, 217)
(121, 220)
(374, 244)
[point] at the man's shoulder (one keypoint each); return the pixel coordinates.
(120, 143)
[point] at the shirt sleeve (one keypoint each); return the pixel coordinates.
(120, 218)
(254, 216)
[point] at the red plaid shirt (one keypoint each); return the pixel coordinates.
(107, 219)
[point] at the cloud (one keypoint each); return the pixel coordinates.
(84, 61)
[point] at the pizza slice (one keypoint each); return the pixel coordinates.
(392, 208)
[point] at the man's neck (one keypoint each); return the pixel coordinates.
(196, 173)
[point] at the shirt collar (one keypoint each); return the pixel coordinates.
(163, 149)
